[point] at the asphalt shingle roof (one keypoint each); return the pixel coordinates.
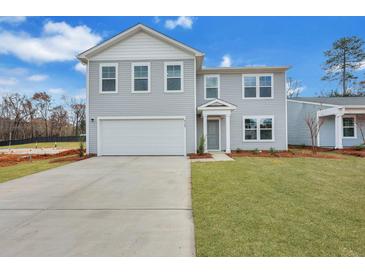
(340, 101)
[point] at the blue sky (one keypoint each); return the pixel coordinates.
(37, 53)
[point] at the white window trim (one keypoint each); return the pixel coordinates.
(258, 118)
(101, 77)
(355, 127)
(165, 76)
(257, 86)
(205, 86)
(148, 64)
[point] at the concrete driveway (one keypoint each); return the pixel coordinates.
(104, 206)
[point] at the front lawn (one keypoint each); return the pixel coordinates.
(70, 145)
(26, 168)
(280, 207)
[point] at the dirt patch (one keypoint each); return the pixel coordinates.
(281, 154)
(13, 159)
(200, 156)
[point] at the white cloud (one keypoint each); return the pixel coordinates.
(8, 81)
(186, 22)
(37, 77)
(80, 68)
(12, 19)
(56, 91)
(156, 19)
(226, 61)
(58, 42)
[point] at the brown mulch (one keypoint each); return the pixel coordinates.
(71, 159)
(281, 154)
(357, 153)
(200, 156)
(13, 159)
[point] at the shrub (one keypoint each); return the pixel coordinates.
(238, 150)
(81, 148)
(272, 150)
(360, 147)
(256, 151)
(201, 145)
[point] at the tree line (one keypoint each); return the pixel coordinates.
(23, 117)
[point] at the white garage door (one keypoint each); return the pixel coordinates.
(137, 136)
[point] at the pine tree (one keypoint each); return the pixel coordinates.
(343, 59)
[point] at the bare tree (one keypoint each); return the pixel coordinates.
(293, 87)
(43, 104)
(360, 123)
(30, 110)
(314, 125)
(14, 113)
(58, 120)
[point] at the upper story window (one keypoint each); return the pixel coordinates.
(258, 128)
(108, 78)
(141, 77)
(211, 86)
(257, 86)
(174, 77)
(349, 128)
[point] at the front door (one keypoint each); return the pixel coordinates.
(213, 134)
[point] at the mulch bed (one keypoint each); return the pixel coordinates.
(281, 154)
(13, 159)
(353, 152)
(200, 156)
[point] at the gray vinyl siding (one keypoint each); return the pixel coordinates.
(155, 103)
(231, 91)
(298, 132)
(347, 142)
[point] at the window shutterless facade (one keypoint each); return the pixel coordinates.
(258, 128)
(349, 127)
(174, 77)
(211, 87)
(108, 76)
(141, 77)
(257, 86)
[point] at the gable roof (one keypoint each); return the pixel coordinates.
(217, 104)
(84, 56)
(338, 101)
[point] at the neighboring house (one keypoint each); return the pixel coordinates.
(343, 125)
(148, 94)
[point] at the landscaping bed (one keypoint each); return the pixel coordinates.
(282, 154)
(200, 156)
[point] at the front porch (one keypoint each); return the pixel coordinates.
(215, 115)
(349, 125)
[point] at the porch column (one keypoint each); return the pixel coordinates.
(228, 133)
(205, 131)
(338, 131)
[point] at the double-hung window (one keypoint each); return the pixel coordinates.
(258, 128)
(108, 78)
(211, 86)
(349, 127)
(174, 77)
(257, 86)
(141, 78)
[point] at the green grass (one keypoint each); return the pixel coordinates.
(71, 145)
(27, 168)
(280, 207)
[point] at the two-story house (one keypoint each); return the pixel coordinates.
(148, 94)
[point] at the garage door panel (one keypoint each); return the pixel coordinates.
(142, 137)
